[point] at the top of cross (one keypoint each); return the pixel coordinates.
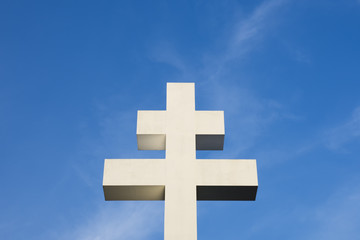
(208, 126)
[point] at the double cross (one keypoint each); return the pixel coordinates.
(180, 179)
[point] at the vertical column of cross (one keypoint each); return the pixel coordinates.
(180, 190)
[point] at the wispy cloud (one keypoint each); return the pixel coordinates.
(246, 33)
(250, 30)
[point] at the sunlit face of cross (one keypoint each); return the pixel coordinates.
(180, 179)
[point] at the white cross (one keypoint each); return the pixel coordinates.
(180, 179)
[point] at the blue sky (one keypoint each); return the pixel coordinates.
(74, 73)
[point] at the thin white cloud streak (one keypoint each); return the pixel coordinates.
(244, 37)
(247, 35)
(251, 30)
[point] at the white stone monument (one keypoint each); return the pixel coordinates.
(180, 179)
